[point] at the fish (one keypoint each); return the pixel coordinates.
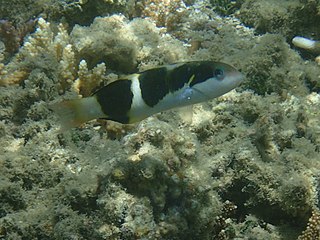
(137, 96)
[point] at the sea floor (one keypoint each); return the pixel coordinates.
(246, 166)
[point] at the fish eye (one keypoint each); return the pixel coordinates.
(219, 73)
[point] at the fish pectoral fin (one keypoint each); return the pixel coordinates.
(186, 114)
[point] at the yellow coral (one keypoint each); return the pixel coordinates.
(312, 231)
(42, 42)
(14, 77)
(67, 66)
(88, 80)
(160, 11)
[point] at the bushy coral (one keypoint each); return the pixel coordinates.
(123, 44)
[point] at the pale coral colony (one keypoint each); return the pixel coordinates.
(245, 167)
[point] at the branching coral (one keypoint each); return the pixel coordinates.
(73, 58)
(12, 36)
(53, 53)
(57, 47)
(88, 80)
(40, 48)
(162, 12)
(312, 231)
(158, 179)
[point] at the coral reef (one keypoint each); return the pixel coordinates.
(313, 229)
(290, 18)
(226, 7)
(309, 45)
(138, 41)
(71, 11)
(163, 13)
(12, 36)
(245, 167)
(42, 48)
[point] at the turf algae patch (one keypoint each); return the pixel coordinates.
(286, 17)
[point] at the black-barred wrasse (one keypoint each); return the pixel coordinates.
(143, 94)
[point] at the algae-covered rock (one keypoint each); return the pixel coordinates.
(289, 18)
(265, 64)
(122, 44)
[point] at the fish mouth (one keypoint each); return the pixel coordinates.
(236, 79)
(242, 76)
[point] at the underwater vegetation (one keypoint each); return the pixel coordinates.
(226, 7)
(245, 167)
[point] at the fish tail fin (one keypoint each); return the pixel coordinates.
(73, 113)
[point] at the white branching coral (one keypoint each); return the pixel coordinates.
(39, 41)
(46, 47)
(67, 64)
(89, 79)
(9, 74)
(58, 46)
(77, 60)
